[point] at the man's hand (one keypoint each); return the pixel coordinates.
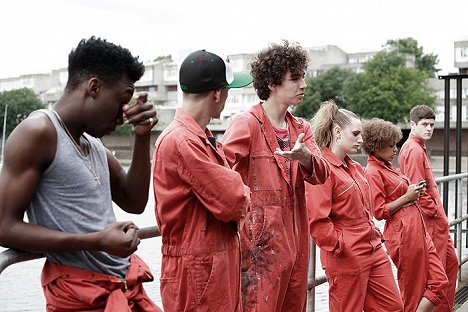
(119, 239)
(299, 152)
(141, 115)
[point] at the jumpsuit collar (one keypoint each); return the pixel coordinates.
(334, 160)
(295, 127)
(418, 140)
(189, 122)
(388, 166)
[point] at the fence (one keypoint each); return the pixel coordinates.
(11, 256)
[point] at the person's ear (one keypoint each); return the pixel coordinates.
(217, 95)
(94, 87)
(271, 86)
(337, 131)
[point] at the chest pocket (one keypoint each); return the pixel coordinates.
(266, 175)
(345, 191)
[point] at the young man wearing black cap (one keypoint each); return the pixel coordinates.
(199, 199)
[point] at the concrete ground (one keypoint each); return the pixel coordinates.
(463, 306)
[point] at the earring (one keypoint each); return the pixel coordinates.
(338, 141)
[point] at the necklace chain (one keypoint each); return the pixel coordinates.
(85, 152)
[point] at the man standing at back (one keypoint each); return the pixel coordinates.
(199, 199)
(415, 164)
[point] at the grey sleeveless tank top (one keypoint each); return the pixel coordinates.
(69, 199)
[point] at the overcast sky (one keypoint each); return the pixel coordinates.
(36, 36)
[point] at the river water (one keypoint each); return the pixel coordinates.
(20, 288)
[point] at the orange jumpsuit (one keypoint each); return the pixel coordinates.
(199, 201)
(420, 271)
(275, 238)
(72, 289)
(358, 269)
(415, 164)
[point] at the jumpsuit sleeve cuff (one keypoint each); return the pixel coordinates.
(432, 297)
(339, 246)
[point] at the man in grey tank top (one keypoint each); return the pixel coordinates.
(57, 171)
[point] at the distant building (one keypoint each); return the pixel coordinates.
(161, 81)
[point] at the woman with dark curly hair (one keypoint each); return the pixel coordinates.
(275, 153)
(421, 276)
(359, 272)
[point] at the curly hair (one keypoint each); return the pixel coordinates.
(329, 114)
(420, 112)
(272, 63)
(378, 134)
(95, 57)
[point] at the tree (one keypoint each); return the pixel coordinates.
(21, 103)
(424, 62)
(387, 89)
(328, 86)
(163, 58)
(309, 106)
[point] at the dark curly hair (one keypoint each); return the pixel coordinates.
(272, 63)
(378, 134)
(95, 57)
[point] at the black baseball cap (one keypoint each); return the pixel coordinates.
(204, 71)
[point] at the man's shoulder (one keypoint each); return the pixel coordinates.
(411, 146)
(35, 127)
(175, 134)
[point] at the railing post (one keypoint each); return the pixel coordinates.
(311, 277)
(446, 143)
(459, 230)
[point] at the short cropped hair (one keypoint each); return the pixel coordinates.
(95, 57)
(378, 134)
(420, 112)
(272, 63)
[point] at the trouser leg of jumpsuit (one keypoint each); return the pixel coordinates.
(439, 230)
(420, 271)
(362, 283)
(274, 266)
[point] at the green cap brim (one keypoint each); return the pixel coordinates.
(241, 79)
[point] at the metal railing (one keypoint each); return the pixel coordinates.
(12, 256)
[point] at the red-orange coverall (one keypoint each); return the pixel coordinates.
(275, 239)
(420, 271)
(199, 201)
(358, 269)
(415, 164)
(72, 289)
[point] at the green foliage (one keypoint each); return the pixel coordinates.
(328, 86)
(21, 103)
(424, 62)
(387, 89)
(163, 58)
(309, 106)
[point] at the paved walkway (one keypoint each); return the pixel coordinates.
(463, 308)
(463, 283)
